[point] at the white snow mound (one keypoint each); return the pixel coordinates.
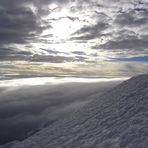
(117, 119)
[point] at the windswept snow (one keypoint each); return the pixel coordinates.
(117, 119)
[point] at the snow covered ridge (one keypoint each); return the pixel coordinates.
(117, 119)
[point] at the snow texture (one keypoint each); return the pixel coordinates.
(116, 119)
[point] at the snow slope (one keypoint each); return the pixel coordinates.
(117, 119)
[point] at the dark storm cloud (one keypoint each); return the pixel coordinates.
(133, 18)
(91, 32)
(35, 58)
(124, 44)
(8, 54)
(13, 54)
(57, 58)
(124, 34)
(51, 58)
(79, 52)
(144, 37)
(11, 51)
(18, 24)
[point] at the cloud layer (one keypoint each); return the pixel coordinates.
(64, 31)
(28, 106)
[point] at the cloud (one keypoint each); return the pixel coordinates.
(133, 18)
(59, 31)
(13, 54)
(8, 55)
(79, 52)
(127, 34)
(18, 25)
(51, 58)
(28, 108)
(136, 59)
(125, 44)
(11, 51)
(91, 31)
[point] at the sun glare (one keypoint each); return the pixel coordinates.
(53, 6)
(62, 21)
(62, 28)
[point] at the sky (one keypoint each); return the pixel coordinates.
(73, 37)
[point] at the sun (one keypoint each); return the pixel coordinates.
(62, 22)
(62, 28)
(52, 6)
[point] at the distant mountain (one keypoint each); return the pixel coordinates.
(117, 119)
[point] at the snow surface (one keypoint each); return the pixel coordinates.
(116, 119)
